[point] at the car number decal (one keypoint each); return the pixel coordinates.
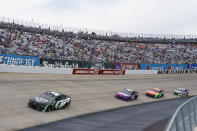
(60, 104)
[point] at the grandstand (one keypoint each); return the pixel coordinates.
(91, 49)
(98, 55)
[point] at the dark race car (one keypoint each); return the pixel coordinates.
(49, 101)
(181, 92)
(127, 95)
(155, 93)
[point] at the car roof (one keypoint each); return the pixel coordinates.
(157, 89)
(181, 88)
(129, 90)
(54, 93)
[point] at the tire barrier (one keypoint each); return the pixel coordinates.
(190, 71)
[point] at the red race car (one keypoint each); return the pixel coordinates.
(155, 93)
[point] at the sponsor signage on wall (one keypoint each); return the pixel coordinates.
(111, 72)
(49, 62)
(126, 66)
(85, 71)
(98, 72)
(60, 63)
(193, 66)
(163, 66)
(10, 59)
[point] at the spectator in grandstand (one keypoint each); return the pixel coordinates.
(13, 41)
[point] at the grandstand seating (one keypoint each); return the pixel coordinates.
(23, 42)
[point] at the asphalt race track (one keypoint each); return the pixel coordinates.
(89, 94)
(133, 118)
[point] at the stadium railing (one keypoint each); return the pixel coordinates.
(185, 117)
(32, 23)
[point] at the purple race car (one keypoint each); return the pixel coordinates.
(127, 95)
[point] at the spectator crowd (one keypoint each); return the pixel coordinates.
(13, 41)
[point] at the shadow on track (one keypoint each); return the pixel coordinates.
(143, 117)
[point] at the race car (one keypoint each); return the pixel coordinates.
(49, 101)
(127, 95)
(181, 92)
(155, 93)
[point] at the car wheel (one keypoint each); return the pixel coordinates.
(29, 105)
(63, 107)
(49, 109)
(129, 99)
(126, 99)
(135, 97)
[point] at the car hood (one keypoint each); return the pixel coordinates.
(41, 100)
(177, 91)
(152, 92)
(122, 94)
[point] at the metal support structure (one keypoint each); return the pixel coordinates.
(32, 23)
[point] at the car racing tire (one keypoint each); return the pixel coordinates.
(63, 107)
(125, 99)
(129, 99)
(49, 109)
(29, 105)
(135, 98)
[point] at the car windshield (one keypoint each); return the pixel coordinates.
(127, 92)
(155, 90)
(48, 96)
(179, 89)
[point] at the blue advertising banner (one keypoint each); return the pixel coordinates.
(177, 66)
(19, 60)
(192, 66)
(163, 66)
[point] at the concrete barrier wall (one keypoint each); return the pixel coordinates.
(48, 70)
(35, 70)
(134, 72)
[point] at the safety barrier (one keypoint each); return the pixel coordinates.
(141, 72)
(185, 117)
(34, 69)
